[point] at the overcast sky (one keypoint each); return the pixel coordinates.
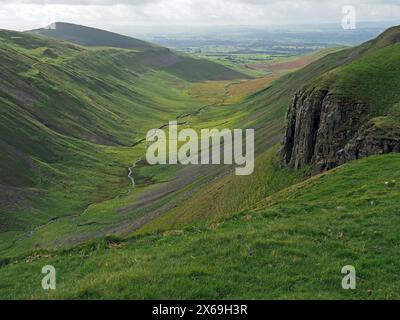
(128, 14)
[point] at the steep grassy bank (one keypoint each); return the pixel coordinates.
(292, 245)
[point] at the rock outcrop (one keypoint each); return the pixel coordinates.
(371, 140)
(324, 131)
(350, 112)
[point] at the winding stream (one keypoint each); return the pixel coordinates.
(130, 175)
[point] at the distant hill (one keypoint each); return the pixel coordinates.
(91, 37)
(148, 56)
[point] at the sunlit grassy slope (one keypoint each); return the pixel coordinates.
(265, 112)
(368, 73)
(373, 78)
(291, 245)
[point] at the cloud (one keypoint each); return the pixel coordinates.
(118, 14)
(145, 2)
(82, 2)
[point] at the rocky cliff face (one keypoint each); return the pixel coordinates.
(324, 131)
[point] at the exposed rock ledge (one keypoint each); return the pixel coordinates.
(325, 131)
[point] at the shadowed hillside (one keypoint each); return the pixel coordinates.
(63, 106)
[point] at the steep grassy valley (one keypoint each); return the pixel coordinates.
(79, 110)
(98, 135)
(73, 119)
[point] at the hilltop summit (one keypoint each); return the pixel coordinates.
(92, 37)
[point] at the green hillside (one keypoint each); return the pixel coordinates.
(355, 70)
(265, 112)
(372, 78)
(292, 245)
